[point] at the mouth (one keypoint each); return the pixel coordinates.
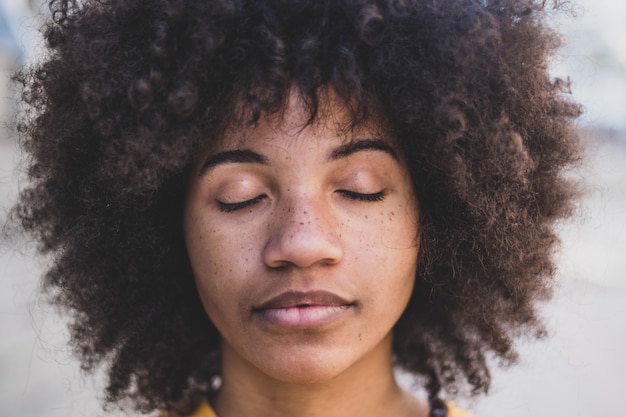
(301, 310)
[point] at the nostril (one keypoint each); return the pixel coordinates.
(278, 265)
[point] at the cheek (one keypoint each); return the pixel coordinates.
(217, 284)
(391, 234)
(389, 248)
(404, 227)
(210, 245)
(214, 263)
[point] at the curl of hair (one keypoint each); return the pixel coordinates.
(131, 90)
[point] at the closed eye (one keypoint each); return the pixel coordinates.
(353, 195)
(230, 207)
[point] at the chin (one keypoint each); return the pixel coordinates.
(311, 364)
(304, 372)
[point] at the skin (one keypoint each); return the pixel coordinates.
(303, 243)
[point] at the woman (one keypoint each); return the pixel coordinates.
(263, 208)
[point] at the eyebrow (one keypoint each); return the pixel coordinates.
(233, 156)
(251, 157)
(363, 145)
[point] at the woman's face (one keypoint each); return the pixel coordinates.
(303, 244)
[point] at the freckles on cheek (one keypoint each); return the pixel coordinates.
(221, 259)
(199, 242)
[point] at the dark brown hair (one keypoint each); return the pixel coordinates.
(131, 90)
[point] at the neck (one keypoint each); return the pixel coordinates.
(367, 388)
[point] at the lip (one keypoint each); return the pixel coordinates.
(301, 310)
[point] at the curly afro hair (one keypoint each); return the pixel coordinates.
(131, 91)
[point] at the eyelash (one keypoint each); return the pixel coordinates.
(373, 197)
(230, 207)
(353, 195)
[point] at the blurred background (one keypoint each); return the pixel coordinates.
(580, 370)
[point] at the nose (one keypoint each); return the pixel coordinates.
(304, 235)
